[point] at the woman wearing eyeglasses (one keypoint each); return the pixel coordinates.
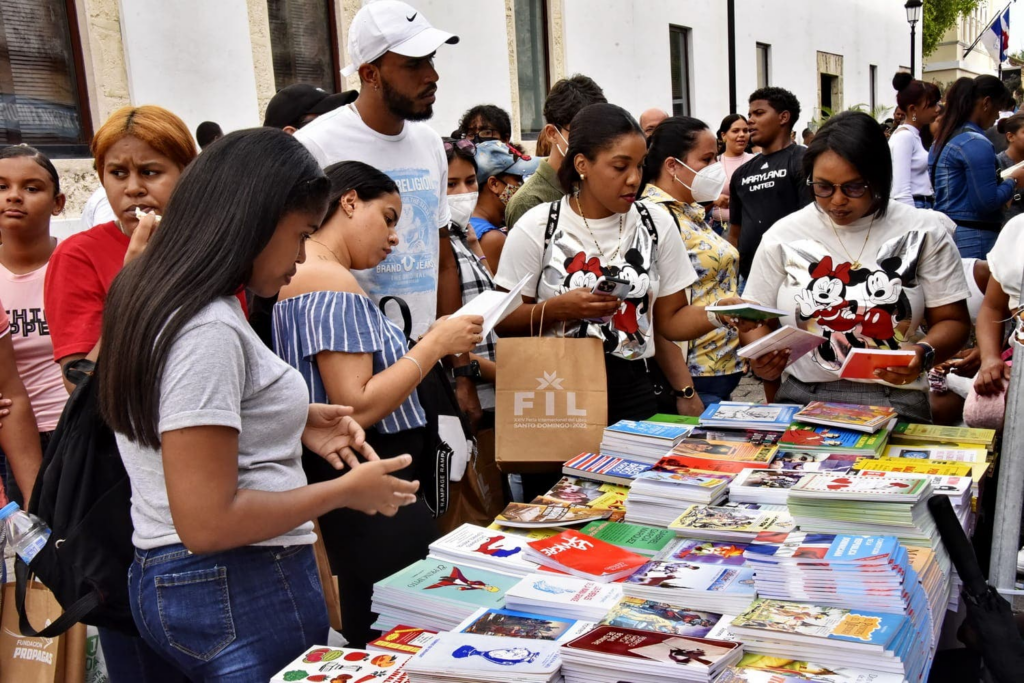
(864, 272)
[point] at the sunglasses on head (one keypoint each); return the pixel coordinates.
(464, 145)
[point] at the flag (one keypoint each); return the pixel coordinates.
(996, 37)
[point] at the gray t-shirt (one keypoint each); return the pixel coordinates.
(218, 372)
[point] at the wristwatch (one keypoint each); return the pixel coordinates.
(685, 392)
(472, 371)
(929, 355)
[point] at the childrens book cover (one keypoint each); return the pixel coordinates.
(734, 520)
(694, 577)
(697, 551)
(637, 538)
(575, 552)
(743, 415)
(914, 466)
(684, 477)
(666, 648)
(592, 494)
(660, 617)
(818, 621)
(554, 589)
(605, 467)
(767, 479)
(856, 417)
(798, 342)
(469, 653)
(933, 453)
(533, 534)
(321, 663)
(433, 580)
(804, 436)
(910, 431)
(815, 462)
(733, 451)
(828, 548)
(841, 485)
(477, 545)
(657, 431)
(758, 437)
(703, 464)
(407, 640)
(530, 515)
(755, 668)
(509, 623)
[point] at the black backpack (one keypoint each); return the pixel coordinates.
(83, 494)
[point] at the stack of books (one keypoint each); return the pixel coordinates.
(584, 556)
(592, 494)
(563, 596)
(807, 438)
(733, 521)
(774, 417)
(763, 486)
(608, 653)
(661, 617)
(660, 494)
(957, 489)
(755, 668)
(854, 638)
(955, 437)
(508, 623)
(470, 658)
(643, 441)
(729, 456)
(479, 548)
(540, 515)
(947, 468)
(436, 595)
(636, 538)
(402, 639)
(322, 663)
(606, 468)
(867, 419)
(699, 585)
(814, 462)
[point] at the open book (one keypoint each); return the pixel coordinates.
(799, 342)
(862, 363)
(494, 306)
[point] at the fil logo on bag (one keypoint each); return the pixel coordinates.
(551, 405)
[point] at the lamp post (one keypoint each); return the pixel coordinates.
(913, 8)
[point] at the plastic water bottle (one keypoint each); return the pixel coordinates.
(26, 533)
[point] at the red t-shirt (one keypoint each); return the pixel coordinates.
(75, 290)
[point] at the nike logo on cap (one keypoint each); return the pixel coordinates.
(412, 17)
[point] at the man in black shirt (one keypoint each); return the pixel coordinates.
(771, 185)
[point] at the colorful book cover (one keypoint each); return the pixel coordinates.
(584, 554)
(524, 532)
(660, 617)
(666, 648)
(684, 477)
(818, 621)
(800, 436)
(755, 668)
(933, 453)
(697, 551)
(509, 623)
(911, 431)
(862, 363)
(768, 415)
(607, 465)
(815, 462)
(658, 431)
(469, 654)
(472, 544)
(646, 540)
(733, 451)
(529, 515)
(758, 437)
(694, 577)
(913, 465)
(710, 518)
(828, 548)
(767, 479)
(592, 494)
(403, 639)
(703, 464)
(866, 417)
(434, 580)
(567, 591)
(683, 420)
(902, 487)
(321, 663)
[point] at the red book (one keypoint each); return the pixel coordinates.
(862, 363)
(733, 466)
(407, 640)
(584, 556)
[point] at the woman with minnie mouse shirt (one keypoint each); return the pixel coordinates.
(862, 270)
(599, 229)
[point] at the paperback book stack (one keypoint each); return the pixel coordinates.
(643, 441)
(721, 456)
(661, 617)
(592, 494)
(508, 623)
(732, 521)
(636, 538)
(607, 653)
(866, 419)
(606, 468)
(957, 489)
(584, 556)
(755, 668)
(855, 572)
(470, 658)
(563, 596)
(855, 638)
(479, 548)
(763, 486)
(660, 494)
(436, 595)
(774, 417)
(702, 575)
(808, 438)
(322, 663)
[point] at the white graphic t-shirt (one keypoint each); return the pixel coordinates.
(874, 299)
(416, 161)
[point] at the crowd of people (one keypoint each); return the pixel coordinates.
(235, 303)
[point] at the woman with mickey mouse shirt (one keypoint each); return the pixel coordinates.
(599, 229)
(862, 270)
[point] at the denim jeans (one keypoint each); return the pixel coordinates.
(974, 243)
(130, 659)
(716, 388)
(236, 616)
(925, 203)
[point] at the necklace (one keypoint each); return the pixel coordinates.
(123, 231)
(855, 262)
(600, 251)
(328, 249)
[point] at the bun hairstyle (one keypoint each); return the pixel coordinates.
(1011, 124)
(910, 91)
(594, 129)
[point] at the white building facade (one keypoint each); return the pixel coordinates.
(222, 60)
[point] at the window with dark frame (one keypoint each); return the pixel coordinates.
(43, 101)
(679, 56)
(531, 22)
(304, 43)
(764, 65)
(873, 92)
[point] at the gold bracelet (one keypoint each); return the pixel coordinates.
(418, 366)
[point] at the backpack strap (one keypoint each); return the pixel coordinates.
(71, 616)
(648, 221)
(549, 231)
(404, 309)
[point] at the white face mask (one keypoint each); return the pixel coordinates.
(561, 151)
(461, 206)
(708, 182)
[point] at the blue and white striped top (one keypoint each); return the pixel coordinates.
(310, 323)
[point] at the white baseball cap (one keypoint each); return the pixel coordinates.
(391, 26)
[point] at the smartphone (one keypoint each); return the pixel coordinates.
(614, 286)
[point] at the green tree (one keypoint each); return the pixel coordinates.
(938, 17)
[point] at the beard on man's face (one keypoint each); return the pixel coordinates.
(403, 107)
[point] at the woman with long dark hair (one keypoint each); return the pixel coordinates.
(350, 353)
(963, 164)
(210, 422)
(680, 160)
(733, 138)
(864, 272)
(920, 102)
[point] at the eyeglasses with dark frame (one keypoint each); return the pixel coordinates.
(853, 190)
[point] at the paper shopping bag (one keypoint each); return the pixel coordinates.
(551, 401)
(30, 660)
